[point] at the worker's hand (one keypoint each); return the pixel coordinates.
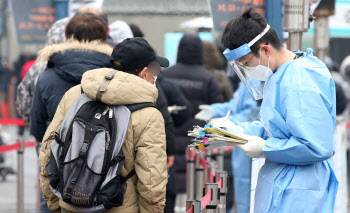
(254, 147)
(206, 113)
(227, 125)
(171, 159)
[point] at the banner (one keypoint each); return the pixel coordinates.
(33, 18)
(75, 5)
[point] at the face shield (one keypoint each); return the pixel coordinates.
(255, 87)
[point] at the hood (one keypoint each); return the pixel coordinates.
(123, 89)
(71, 59)
(190, 50)
(56, 33)
(120, 31)
(212, 59)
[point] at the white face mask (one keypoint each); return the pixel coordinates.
(154, 82)
(260, 72)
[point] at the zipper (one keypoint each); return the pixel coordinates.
(110, 115)
(108, 140)
(110, 112)
(106, 110)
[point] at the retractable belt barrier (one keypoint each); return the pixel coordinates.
(8, 121)
(17, 144)
(20, 146)
(206, 187)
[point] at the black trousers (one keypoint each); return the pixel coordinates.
(170, 203)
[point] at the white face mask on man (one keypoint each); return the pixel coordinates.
(260, 72)
(155, 79)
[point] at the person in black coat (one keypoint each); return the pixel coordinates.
(85, 50)
(174, 97)
(199, 86)
(162, 106)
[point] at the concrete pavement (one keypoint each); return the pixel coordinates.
(8, 189)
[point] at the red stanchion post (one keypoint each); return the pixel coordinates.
(213, 204)
(211, 170)
(220, 159)
(199, 176)
(190, 174)
(20, 173)
(221, 178)
(193, 206)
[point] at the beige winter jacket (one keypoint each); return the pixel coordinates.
(144, 146)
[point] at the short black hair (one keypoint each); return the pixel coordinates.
(136, 31)
(104, 16)
(86, 27)
(245, 28)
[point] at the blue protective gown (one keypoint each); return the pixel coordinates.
(298, 115)
(241, 105)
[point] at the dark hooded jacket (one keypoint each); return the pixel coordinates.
(162, 106)
(67, 62)
(199, 87)
(174, 96)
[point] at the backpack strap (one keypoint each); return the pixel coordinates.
(104, 84)
(128, 176)
(120, 158)
(88, 137)
(135, 107)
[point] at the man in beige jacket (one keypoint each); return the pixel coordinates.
(144, 146)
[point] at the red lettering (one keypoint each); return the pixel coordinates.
(231, 7)
(22, 25)
(52, 19)
(222, 7)
(260, 10)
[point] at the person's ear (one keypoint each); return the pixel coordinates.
(143, 74)
(266, 49)
(109, 30)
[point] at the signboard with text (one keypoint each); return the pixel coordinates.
(33, 18)
(223, 11)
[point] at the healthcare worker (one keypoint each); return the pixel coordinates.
(296, 130)
(241, 105)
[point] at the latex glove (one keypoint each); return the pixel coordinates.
(254, 147)
(227, 124)
(206, 113)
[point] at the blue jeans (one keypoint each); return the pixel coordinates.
(43, 205)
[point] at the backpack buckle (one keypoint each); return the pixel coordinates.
(109, 77)
(83, 150)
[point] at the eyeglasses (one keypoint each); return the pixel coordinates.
(246, 63)
(239, 63)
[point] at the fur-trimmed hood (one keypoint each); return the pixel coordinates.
(97, 46)
(69, 60)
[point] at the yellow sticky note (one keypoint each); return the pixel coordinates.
(201, 146)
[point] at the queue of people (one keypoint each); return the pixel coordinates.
(285, 106)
